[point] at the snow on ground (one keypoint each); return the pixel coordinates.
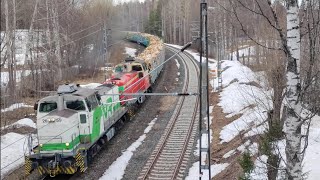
(130, 51)
(260, 168)
(312, 157)
(117, 168)
(15, 106)
(236, 98)
(21, 123)
(257, 130)
(215, 169)
(240, 96)
(12, 151)
(251, 117)
(91, 85)
(229, 153)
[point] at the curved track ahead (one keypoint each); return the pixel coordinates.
(170, 157)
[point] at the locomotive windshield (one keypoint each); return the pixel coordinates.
(118, 69)
(136, 68)
(47, 106)
(77, 105)
(92, 102)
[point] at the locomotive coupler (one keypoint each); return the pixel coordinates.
(53, 168)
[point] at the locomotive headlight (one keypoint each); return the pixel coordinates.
(67, 144)
(51, 119)
(41, 145)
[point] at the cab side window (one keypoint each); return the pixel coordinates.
(92, 102)
(77, 105)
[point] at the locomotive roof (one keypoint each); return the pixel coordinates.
(85, 92)
(66, 113)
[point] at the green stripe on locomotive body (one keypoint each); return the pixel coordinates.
(97, 115)
(105, 110)
(121, 88)
(60, 146)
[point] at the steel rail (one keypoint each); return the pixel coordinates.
(171, 126)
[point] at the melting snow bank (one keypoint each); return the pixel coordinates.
(312, 157)
(244, 94)
(21, 123)
(15, 106)
(12, 151)
(215, 169)
(130, 51)
(117, 168)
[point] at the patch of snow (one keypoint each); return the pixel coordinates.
(260, 168)
(15, 106)
(229, 153)
(312, 156)
(249, 118)
(117, 168)
(215, 169)
(12, 151)
(243, 147)
(21, 123)
(91, 85)
(253, 148)
(210, 109)
(247, 146)
(239, 97)
(130, 51)
(257, 130)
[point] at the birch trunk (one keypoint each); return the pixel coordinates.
(30, 32)
(10, 51)
(292, 121)
(57, 41)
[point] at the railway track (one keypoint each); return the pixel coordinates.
(170, 157)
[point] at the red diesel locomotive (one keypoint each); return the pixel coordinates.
(131, 77)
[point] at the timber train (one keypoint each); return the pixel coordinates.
(74, 123)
